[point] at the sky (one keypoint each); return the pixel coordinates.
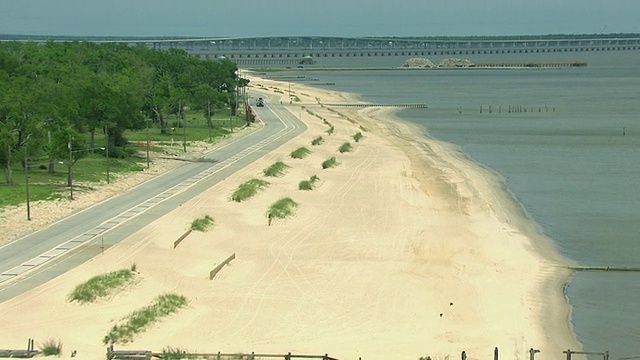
(348, 18)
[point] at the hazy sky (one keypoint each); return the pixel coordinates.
(219, 18)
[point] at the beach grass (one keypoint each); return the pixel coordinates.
(329, 163)
(346, 147)
(282, 208)
(102, 285)
(51, 347)
(308, 184)
(176, 353)
(202, 224)
(275, 170)
(140, 319)
(357, 136)
(330, 130)
(300, 153)
(248, 189)
(317, 141)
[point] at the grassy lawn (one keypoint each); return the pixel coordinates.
(45, 186)
(196, 128)
(93, 167)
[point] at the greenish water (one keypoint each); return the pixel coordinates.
(565, 160)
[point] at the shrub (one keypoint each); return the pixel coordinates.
(202, 224)
(281, 208)
(330, 130)
(171, 353)
(140, 319)
(51, 347)
(300, 153)
(329, 163)
(346, 147)
(317, 141)
(308, 184)
(275, 170)
(357, 136)
(135, 167)
(102, 285)
(248, 189)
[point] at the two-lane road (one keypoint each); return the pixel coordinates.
(39, 257)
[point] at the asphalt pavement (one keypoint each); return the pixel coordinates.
(32, 260)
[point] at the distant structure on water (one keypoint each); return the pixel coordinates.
(300, 50)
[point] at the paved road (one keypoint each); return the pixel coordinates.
(39, 257)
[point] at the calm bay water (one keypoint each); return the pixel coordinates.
(565, 160)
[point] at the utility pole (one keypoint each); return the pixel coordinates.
(209, 118)
(26, 181)
(106, 138)
(147, 121)
(230, 112)
(70, 168)
(184, 127)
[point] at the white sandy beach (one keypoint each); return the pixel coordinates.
(406, 249)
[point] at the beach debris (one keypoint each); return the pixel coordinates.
(456, 63)
(419, 63)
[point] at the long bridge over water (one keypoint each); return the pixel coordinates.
(298, 49)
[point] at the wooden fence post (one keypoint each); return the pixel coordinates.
(495, 353)
(463, 355)
(532, 353)
(568, 352)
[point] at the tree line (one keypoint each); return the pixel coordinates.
(55, 97)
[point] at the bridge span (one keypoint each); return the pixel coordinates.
(294, 50)
(298, 49)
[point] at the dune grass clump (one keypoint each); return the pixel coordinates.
(300, 153)
(175, 353)
(308, 184)
(275, 170)
(248, 189)
(51, 347)
(330, 130)
(102, 285)
(317, 141)
(140, 319)
(202, 224)
(329, 163)
(358, 136)
(346, 147)
(282, 208)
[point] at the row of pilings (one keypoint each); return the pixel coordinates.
(405, 106)
(512, 109)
